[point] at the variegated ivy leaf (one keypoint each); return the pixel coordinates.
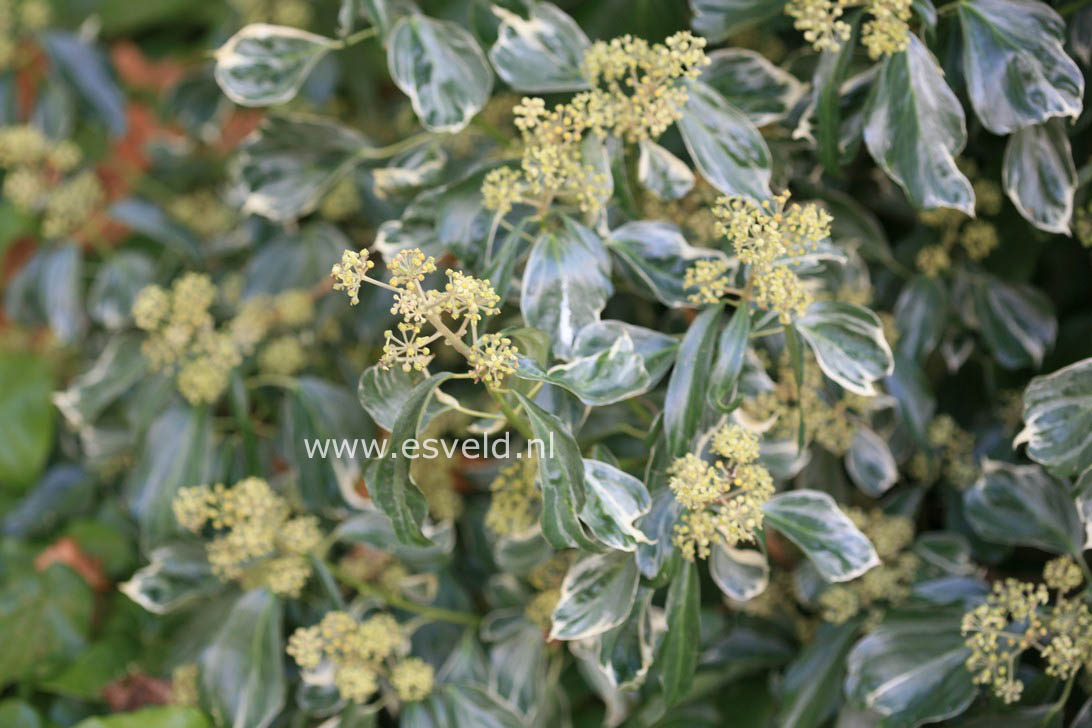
(263, 65)
(1016, 320)
(921, 312)
(566, 283)
(812, 520)
(440, 67)
(742, 574)
(723, 143)
(911, 668)
(612, 375)
(283, 171)
(370, 527)
(870, 464)
(540, 54)
(848, 344)
(719, 19)
(177, 574)
(1022, 505)
(656, 350)
(614, 501)
(383, 394)
(661, 172)
(409, 171)
(656, 256)
(758, 88)
(1017, 72)
(624, 654)
(1058, 419)
(915, 128)
(596, 596)
(1039, 175)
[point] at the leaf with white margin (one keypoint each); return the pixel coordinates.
(1058, 419)
(848, 343)
(1016, 320)
(566, 283)
(921, 312)
(625, 653)
(283, 170)
(596, 596)
(910, 669)
(1017, 71)
(1039, 175)
(719, 19)
(656, 349)
(177, 574)
(263, 65)
(915, 127)
(612, 375)
(814, 522)
(870, 464)
(656, 255)
(540, 54)
(723, 143)
(758, 88)
(1020, 505)
(383, 394)
(614, 500)
(661, 172)
(440, 67)
(242, 669)
(742, 574)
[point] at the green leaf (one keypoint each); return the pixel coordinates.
(596, 596)
(684, 403)
(561, 477)
(848, 344)
(812, 520)
(656, 256)
(117, 370)
(116, 286)
(94, 668)
(370, 527)
(723, 143)
(1058, 419)
(1017, 72)
(764, 92)
(85, 67)
(242, 670)
(656, 350)
(566, 283)
(911, 670)
(615, 500)
(17, 713)
(150, 220)
(284, 170)
(440, 66)
(1021, 505)
(45, 617)
(541, 54)
(870, 464)
(742, 574)
(612, 375)
(625, 653)
(830, 74)
(264, 65)
(177, 453)
(731, 353)
(678, 656)
(719, 19)
(60, 291)
(920, 314)
(159, 717)
(1016, 320)
(915, 128)
(1039, 175)
(392, 489)
(177, 576)
(812, 687)
(661, 172)
(383, 394)
(26, 418)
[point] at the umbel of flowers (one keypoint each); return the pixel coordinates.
(254, 538)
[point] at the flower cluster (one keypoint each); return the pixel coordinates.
(203, 212)
(887, 32)
(819, 21)
(883, 35)
(516, 501)
(723, 500)
(546, 578)
(953, 454)
(1019, 616)
(293, 13)
(637, 93)
(19, 17)
(977, 238)
(359, 656)
(766, 236)
(889, 583)
(255, 538)
(464, 299)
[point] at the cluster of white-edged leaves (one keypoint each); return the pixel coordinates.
(560, 364)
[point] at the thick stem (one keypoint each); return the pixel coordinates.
(435, 613)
